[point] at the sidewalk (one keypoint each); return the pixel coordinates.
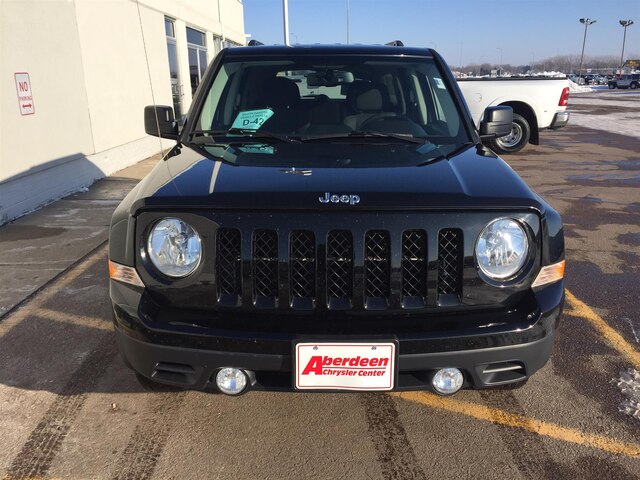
(39, 246)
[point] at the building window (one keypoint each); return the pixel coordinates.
(169, 27)
(229, 44)
(217, 45)
(174, 75)
(197, 56)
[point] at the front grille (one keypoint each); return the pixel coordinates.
(344, 271)
(450, 262)
(265, 264)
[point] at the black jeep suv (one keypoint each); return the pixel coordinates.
(330, 220)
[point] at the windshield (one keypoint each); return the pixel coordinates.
(334, 98)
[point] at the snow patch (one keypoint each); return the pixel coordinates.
(552, 73)
(622, 123)
(629, 385)
(575, 88)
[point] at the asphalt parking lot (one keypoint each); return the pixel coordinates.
(71, 409)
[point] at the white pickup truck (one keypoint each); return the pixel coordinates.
(537, 102)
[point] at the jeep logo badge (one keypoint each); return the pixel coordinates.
(350, 199)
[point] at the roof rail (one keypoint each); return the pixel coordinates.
(395, 43)
(254, 43)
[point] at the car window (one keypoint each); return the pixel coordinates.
(324, 95)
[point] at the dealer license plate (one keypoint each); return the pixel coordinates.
(345, 366)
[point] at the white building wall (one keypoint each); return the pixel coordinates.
(117, 80)
(88, 71)
(230, 12)
(59, 132)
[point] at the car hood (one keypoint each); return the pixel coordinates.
(474, 178)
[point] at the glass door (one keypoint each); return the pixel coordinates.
(174, 74)
(197, 56)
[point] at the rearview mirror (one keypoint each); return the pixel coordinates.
(159, 121)
(496, 122)
(329, 78)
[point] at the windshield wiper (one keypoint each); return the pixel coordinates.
(367, 134)
(257, 134)
(452, 153)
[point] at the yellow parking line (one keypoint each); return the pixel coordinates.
(615, 340)
(19, 315)
(552, 430)
(11, 477)
(74, 319)
(508, 419)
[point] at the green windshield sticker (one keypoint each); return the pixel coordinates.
(252, 119)
(439, 83)
(265, 149)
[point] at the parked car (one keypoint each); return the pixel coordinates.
(629, 81)
(345, 231)
(537, 103)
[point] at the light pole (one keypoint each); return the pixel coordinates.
(500, 64)
(587, 22)
(285, 14)
(625, 24)
(347, 22)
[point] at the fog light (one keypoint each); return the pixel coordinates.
(447, 381)
(231, 381)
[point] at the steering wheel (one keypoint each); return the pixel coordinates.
(381, 116)
(400, 124)
(438, 127)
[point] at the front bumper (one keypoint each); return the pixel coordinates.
(189, 356)
(560, 119)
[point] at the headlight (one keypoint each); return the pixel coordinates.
(174, 247)
(502, 248)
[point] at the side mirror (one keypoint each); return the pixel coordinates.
(159, 121)
(496, 122)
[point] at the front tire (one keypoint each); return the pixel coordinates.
(516, 140)
(633, 85)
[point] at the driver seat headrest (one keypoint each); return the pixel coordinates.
(365, 97)
(280, 92)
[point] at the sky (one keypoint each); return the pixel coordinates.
(463, 31)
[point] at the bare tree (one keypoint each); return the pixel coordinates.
(604, 64)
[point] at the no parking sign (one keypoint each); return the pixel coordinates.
(25, 98)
